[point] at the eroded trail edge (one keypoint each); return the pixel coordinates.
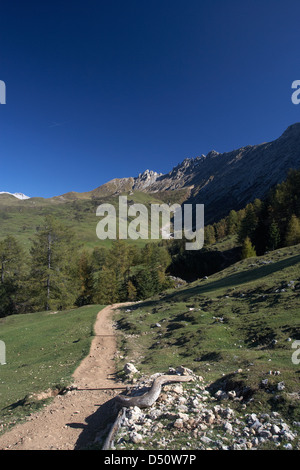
(73, 420)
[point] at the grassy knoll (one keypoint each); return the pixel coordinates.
(244, 319)
(42, 351)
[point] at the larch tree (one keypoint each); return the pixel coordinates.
(53, 281)
(248, 251)
(12, 274)
(292, 236)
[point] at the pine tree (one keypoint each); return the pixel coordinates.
(106, 287)
(11, 258)
(221, 229)
(209, 235)
(118, 260)
(248, 223)
(85, 275)
(52, 276)
(292, 236)
(147, 283)
(232, 222)
(131, 291)
(248, 251)
(12, 275)
(98, 258)
(273, 236)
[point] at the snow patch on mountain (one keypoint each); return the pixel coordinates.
(17, 195)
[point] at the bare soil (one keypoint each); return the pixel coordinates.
(74, 420)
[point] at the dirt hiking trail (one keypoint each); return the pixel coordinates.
(73, 420)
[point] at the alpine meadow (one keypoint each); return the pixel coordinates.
(149, 228)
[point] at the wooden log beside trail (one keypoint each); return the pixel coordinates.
(150, 397)
(142, 401)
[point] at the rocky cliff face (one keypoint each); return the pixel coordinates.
(225, 181)
(145, 180)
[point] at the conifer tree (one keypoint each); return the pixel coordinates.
(292, 236)
(248, 251)
(106, 288)
(248, 223)
(209, 235)
(53, 282)
(11, 258)
(12, 272)
(131, 291)
(98, 258)
(85, 277)
(273, 236)
(232, 222)
(221, 229)
(147, 283)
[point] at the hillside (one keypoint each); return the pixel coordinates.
(21, 218)
(235, 329)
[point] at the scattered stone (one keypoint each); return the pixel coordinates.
(183, 371)
(264, 433)
(221, 395)
(228, 427)
(203, 421)
(136, 438)
(178, 423)
(280, 386)
(130, 369)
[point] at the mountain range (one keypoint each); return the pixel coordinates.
(220, 181)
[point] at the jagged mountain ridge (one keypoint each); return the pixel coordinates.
(223, 181)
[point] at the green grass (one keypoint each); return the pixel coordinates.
(240, 318)
(21, 218)
(42, 351)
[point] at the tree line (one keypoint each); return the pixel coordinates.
(259, 227)
(58, 273)
(264, 225)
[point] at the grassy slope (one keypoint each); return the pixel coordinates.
(214, 326)
(42, 352)
(21, 218)
(223, 324)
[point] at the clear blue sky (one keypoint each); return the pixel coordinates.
(98, 89)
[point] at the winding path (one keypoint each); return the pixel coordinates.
(72, 421)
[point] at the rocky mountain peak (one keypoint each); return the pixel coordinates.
(212, 154)
(145, 179)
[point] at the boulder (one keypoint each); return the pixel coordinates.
(130, 369)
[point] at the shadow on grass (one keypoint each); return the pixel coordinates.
(225, 283)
